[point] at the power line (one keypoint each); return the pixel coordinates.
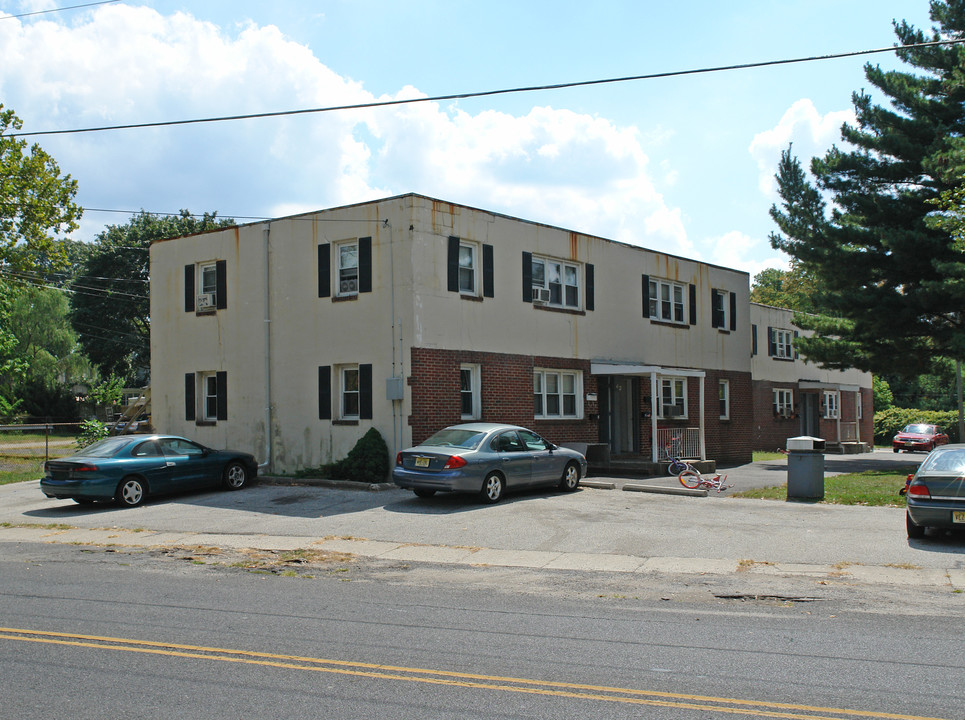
(61, 9)
(490, 93)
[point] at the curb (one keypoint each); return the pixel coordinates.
(952, 578)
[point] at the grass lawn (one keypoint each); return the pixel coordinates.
(22, 454)
(872, 487)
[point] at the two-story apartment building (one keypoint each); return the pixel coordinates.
(292, 337)
(793, 397)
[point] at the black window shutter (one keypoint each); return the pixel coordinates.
(452, 264)
(590, 286)
(325, 392)
(646, 296)
(365, 264)
(190, 406)
(753, 339)
(365, 392)
(221, 278)
(733, 311)
(324, 270)
(693, 304)
(771, 342)
(189, 288)
(222, 382)
(527, 277)
(489, 277)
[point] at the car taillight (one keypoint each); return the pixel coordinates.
(454, 461)
(919, 490)
(398, 459)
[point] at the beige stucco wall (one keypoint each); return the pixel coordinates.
(764, 367)
(410, 306)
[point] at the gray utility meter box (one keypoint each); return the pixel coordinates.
(805, 468)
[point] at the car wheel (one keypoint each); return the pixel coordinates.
(894, 449)
(131, 492)
(424, 492)
(235, 476)
(571, 477)
(493, 487)
(915, 532)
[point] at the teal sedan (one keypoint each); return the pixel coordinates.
(129, 468)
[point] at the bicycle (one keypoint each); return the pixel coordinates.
(677, 464)
(693, 480)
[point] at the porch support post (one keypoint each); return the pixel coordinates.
(653, 417)
(703, 445)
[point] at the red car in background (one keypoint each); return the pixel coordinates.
(919, 437)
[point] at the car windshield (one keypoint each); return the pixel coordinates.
(920, 429)
(456, 437)
(944, 462)
(108, 447)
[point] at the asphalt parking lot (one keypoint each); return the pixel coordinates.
(592, 529)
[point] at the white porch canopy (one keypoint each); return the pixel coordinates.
(655, 371)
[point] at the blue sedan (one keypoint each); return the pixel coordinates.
(128, 468)
(487, 459)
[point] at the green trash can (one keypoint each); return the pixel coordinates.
(805, 468)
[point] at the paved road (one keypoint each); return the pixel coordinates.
(593, 529)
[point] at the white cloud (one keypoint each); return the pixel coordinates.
(810, 132)
(122, 64)
(738, 250)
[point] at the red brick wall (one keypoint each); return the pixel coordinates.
(727, 441)
(771, 433)
(507, 396)
(507, 393)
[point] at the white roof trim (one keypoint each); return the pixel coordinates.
(821, 385)
(604, 368)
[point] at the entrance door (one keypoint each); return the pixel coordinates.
(622, 415)
(809, 414)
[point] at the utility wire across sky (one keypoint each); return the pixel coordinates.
(488, 93)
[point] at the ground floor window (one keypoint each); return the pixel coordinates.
(832, 405)
(469, 392)
(783, 402)
(349, 392)
(723, 394)
(673, 397)
(206, 396)
(557, 394)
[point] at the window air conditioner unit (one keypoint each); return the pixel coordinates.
(672, 411)
(206, 301)
(541, 295)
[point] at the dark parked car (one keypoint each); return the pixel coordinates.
(128, 468)
(488, 459)
(936, 493)
(919, 436)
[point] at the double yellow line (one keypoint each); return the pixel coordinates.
(733, 706)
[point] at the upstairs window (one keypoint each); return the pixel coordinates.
(666, 301)
(556, 283)
(205, 286)
(468, 264)
(348, 268)
(780, 344)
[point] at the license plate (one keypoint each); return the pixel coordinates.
(958, 516)
(424, 462)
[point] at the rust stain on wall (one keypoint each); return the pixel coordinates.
(443, 216)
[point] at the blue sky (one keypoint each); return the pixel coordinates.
(683, 165)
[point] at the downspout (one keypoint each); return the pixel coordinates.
(395, 406)
(267, 462)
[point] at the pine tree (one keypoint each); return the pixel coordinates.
(890, 285)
